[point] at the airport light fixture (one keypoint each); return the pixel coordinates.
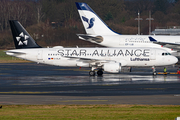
(150, 19)
(138, 19)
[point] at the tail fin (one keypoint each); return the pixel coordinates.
(91, 21)
(21, 37)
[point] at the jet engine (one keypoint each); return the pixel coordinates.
(112, 67)
(81, 64)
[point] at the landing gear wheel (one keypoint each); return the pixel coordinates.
(99, 72)
(154, 70)
(154, 73)
(91, 73)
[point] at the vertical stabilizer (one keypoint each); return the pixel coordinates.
(91, 21)
(21, 37)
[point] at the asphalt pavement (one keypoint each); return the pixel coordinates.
(31, 83)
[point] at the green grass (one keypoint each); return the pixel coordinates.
(9, 59)
(89, 112)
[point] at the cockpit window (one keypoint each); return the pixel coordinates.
(164, 54)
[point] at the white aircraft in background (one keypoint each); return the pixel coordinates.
(98, 32)
(101, 59)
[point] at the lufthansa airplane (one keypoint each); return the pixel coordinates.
(98, 32)
(100, 59)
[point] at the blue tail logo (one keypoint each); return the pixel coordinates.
(90, 22)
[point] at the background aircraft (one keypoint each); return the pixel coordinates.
(103, 59)
(98, 32)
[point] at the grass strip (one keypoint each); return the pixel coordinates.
(89, 112)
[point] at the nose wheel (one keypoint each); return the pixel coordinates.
(154, 73)
(154, 70)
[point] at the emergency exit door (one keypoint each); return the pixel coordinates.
(40, 55)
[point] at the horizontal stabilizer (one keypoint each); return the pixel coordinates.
(14, 53)
(96, 39)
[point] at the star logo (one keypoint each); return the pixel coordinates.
(22, 39)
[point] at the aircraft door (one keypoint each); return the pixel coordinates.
(153, 54)
(40, 55)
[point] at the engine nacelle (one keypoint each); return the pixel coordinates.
(81, 64)
(112, 67)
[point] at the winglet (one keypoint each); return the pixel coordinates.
(152, 39)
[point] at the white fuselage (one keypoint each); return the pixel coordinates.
(138, 41)
(86, 57)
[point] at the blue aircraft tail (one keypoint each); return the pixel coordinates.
(91, 21)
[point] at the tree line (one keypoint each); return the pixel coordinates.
(56, 22)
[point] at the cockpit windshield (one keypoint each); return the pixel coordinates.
(164, 54)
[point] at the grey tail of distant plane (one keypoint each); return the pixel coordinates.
(21, 37)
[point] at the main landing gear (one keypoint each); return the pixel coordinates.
(99, 72)
(92, 73)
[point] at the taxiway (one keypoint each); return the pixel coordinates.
(31, 83)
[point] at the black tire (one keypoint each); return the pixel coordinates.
(154, 73)
(91, 73)
(99, 72)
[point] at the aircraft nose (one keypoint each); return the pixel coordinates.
(174, 60)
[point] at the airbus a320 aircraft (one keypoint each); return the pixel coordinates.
(98, 32)
(100, 59)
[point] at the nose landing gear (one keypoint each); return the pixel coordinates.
(154, 70)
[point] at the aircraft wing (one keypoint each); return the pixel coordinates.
(90, 60)
(173, 46)
(96, 39)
